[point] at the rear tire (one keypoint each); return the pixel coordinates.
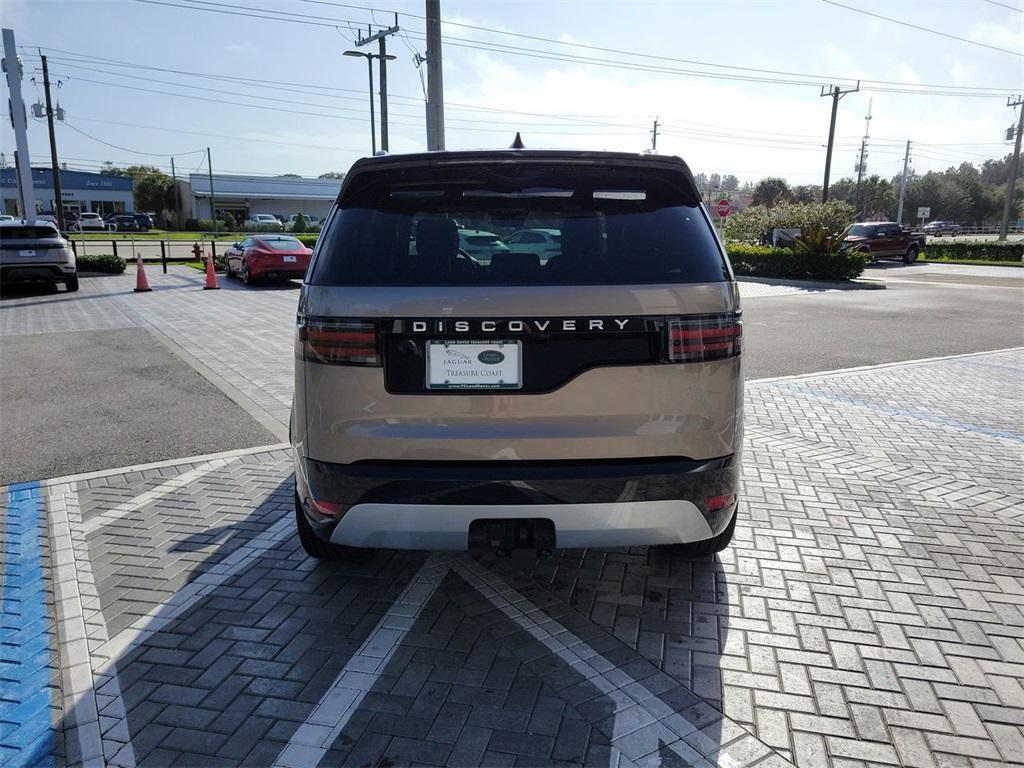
(247, 277)
(700, 549)
(911, 255)
(71, 284)
(313, 545)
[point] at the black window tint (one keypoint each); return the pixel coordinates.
(403, 229)
(28, 233)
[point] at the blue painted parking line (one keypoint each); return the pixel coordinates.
(26, 736)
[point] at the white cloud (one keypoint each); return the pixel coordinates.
(904, 73)
(962, 74)
(1001, 36)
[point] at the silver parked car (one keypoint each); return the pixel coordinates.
(262, 222)
(544, 242)
(36, 252)
(592, 400)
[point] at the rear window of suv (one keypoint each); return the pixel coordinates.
(29, 233)
(612, 226)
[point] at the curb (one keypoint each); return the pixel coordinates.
(877, 366)
(859, 284)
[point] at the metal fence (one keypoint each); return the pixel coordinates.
(163, 251)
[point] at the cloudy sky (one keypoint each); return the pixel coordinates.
(735, 85)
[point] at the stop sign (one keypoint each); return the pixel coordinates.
(723, 208)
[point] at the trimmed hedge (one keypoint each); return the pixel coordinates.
(984, 251)
(100, 262)
(307, 240)
(762, 261)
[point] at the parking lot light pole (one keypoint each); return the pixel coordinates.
(369, 61)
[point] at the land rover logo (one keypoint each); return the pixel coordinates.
(490, 357)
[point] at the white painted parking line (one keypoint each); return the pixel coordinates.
(314, 738)
(73, 580)
(632, 712)
(134, 505)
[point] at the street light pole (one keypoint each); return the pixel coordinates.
(369, 63)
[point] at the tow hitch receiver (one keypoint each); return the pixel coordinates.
(508, 536)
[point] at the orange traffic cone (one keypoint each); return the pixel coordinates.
(211, 275)
(141, 283)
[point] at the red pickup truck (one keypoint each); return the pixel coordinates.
(885, 240)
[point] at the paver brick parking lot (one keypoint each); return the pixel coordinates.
(869, 611)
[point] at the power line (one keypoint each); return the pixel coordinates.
(619, 51)
(126, 149)
(1004, 5)
(922, 29)
(909, 88)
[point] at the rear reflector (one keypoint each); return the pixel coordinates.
(703, 338)
(339, 342)
(325, 508)
(715, 503)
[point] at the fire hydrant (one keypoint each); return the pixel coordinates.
(197, 251)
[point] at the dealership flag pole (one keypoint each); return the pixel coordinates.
(19, 121)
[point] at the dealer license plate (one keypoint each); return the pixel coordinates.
(474, 364)
(289, 259)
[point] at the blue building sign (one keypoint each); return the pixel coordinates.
(80, 190)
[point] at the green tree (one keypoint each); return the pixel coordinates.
(153, 190)
(806, 193)
(756, 223)
(299, 226)
(771, 191)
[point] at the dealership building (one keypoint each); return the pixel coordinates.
(81, 191)
(243, 196)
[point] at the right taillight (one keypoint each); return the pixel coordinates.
(703, 337)
(339, 342)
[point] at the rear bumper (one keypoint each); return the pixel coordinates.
(27, 273)
(431, 505)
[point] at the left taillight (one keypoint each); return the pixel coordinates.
(704, 337)
(339, 342)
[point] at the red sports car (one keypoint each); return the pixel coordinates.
(267, 255)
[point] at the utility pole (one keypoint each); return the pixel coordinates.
(177, 203)
(654, 136)
(1011, 181)
(19, 121)
(862, 161)
(58, 204)
(903, 185)
(213, 198)
(435, 85)
(381, 38)
(836, 93)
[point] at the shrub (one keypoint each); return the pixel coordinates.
(220, 264)
(230, 224)
(985, 251)
(307, 240)
(755, 224)
(762, 261)
(300, 224)
(100, 262)
(206, 225)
